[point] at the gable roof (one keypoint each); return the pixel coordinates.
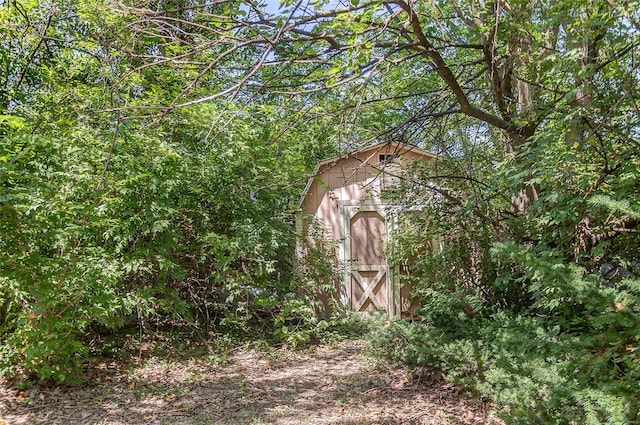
(398, 147)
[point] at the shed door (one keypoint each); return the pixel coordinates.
(369, 285)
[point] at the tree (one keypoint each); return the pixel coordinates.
(105, 220)
(514, 67)
(547, 88)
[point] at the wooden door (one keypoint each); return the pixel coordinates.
(369, 287)
(367, 284)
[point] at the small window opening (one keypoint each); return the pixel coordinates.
(386, 157)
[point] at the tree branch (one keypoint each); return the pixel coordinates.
(450, 80)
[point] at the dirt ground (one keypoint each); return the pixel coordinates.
(331, 385)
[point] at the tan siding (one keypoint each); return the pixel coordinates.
(367, 238)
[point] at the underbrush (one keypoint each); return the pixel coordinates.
(533, 372)
(164, 338)
(536, 311)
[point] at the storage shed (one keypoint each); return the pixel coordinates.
(344, 203)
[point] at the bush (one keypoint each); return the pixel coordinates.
(530, 303)
(535, 369)
(169, 236)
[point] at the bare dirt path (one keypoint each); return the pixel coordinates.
(329, 385)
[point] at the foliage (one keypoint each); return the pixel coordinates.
(150, 154)
(533, 372)
(536, 312)
(533, 208)
(73, 256)
(107, 222)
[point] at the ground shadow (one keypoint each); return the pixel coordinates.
(334, 385)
